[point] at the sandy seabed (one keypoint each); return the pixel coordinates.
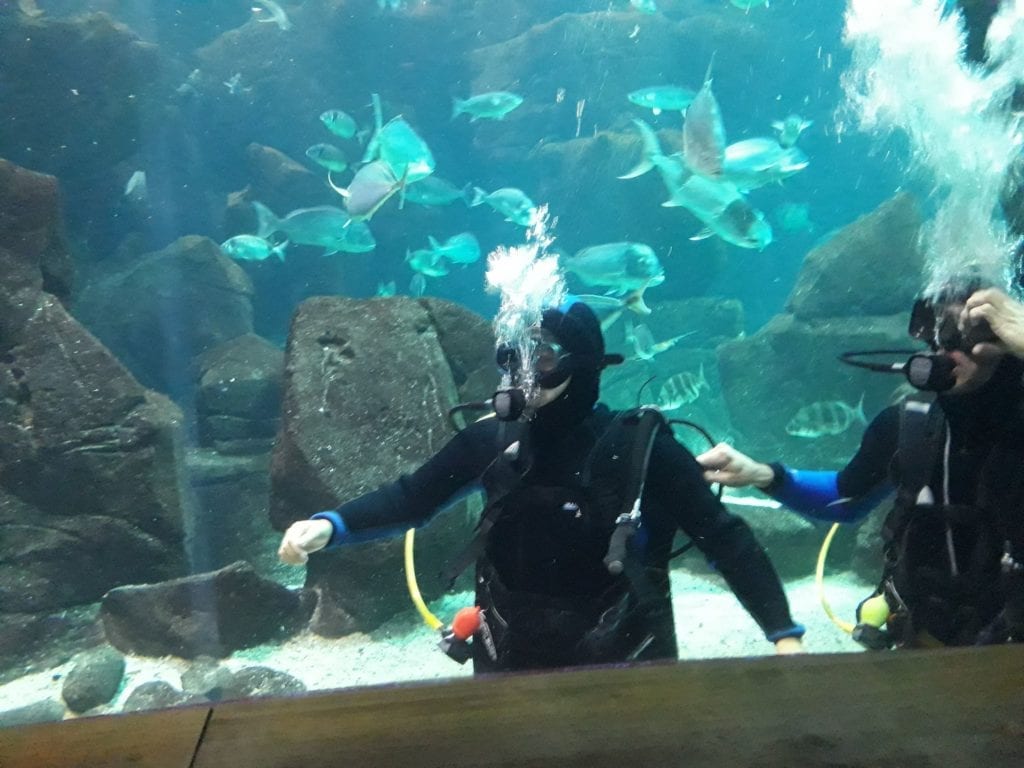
(709, 622)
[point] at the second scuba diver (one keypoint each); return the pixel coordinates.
(954, 538)
(582, 504)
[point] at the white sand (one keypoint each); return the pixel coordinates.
(710, 624)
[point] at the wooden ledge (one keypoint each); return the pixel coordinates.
(949, 708)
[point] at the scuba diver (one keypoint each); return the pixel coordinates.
(954, 538)
(582, 503)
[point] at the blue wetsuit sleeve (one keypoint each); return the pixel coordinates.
(815, 495)
(847, 496)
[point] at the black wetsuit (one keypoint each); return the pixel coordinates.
(541, 579)
(951, 583)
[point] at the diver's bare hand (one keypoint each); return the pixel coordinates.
(724, 464)
(1005, 317)
(303, 538)
(788, 646)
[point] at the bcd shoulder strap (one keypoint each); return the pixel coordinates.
(920, 445)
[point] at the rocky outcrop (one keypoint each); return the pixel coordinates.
(840, 277)
(94, 679)
(367, 387)
(88, 485)
(239, 397)
(167, 308)
(211, 614)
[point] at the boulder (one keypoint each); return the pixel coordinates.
(367, 388)
(94, 679)
(31, 231)
(239, 399)
(157, 694)
(211, 614)
(89, 495)
(250, 682)
(840, 277)
(167, 308)
(207, 678)
(45, 711)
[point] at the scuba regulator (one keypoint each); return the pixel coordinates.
(935, 322)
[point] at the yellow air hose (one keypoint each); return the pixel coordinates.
(819, 580)
(414, 589)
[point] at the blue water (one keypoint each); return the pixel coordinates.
(768, 63)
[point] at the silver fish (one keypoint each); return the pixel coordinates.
(384, 290)
(682, 389)
(703, 133)
(509, 201)
(252, 248)
(274, 14)
(642, 340)
(323, 225)
(827, 417)
(372, 186)
(662, 98)
(328, 156)
(434, 191)
(417, 285)
(339, 123)
(644, 6)
(789, 130)
(459, 249)
(493, 105)
(427, 262)
(753, 163)
(621, 267)
(137, 190)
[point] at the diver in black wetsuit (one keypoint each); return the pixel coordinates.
(954, 540)
(553, 498)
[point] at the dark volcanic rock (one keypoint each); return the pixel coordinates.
(94, 679)
(167, 308)
(262, 681)
(46, 711)
(367, 387)
(208, 614)
(31, 231)
(88, 487)
(205, 677)
(157, 695)
(840, 277)
(239, 398)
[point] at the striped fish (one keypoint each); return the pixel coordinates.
(825, 417)
(682, 389)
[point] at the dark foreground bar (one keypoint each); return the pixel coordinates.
(947, 708)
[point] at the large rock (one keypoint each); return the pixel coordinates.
(31, 231)
(840, 278)
(167, 308)
(94, 679)
(367, 388)
(211, 614)
(88, 487)
(239, 398)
